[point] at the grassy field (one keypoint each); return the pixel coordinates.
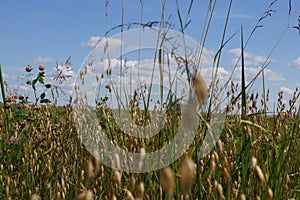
(256, 157)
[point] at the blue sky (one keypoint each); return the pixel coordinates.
(42, 32)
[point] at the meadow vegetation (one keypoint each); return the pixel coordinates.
(256, 157)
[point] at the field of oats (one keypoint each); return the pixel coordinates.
(257, 155)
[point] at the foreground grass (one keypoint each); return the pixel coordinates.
(256, 156)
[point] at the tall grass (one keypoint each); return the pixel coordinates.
(256, 156)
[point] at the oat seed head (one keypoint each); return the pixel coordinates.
(186, 171)
(167, 180)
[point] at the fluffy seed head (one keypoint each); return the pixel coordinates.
(200, 88)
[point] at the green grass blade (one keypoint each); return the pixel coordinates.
(244, 106)
(2, 85)
(3, 98)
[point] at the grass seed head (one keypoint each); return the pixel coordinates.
(167, 180)
(270, 194)
(253, 163)
(129, 195)
(89, 172)
(200, 88)
(86, 195)
(140, 191)
(186, 171)
(220, 191)
(260, 174)
(242, 197)
(117, 177)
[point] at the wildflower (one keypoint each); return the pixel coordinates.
(41, 67)
(14, 98)
(8, 99)
(13, 140)
(28, 68)
(37, 107)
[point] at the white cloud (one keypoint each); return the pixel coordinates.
(273, 76)
(251, 72)
(287, 90)
(251, 59)
(241, 16)
(112, 42)
(43, 59)
(295, 63)
(92, 41)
